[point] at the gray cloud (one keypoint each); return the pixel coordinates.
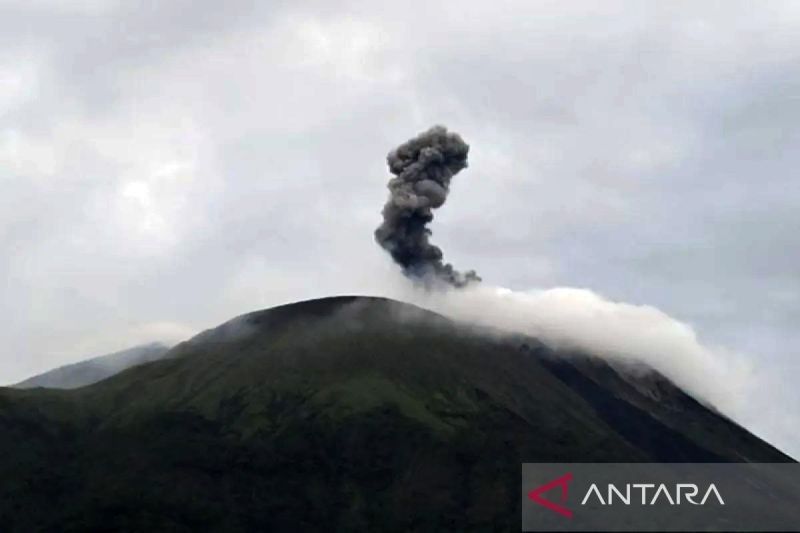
(423, 168)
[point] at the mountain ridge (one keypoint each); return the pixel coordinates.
(95, 369)
(349, 413)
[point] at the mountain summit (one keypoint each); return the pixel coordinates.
(346, 413)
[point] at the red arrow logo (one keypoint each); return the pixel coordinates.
(563, 482)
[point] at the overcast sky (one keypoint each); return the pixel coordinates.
(168, 165)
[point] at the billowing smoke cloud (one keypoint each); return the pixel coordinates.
(423, 168)
(641, 337)
(580, 319)
(561, 317)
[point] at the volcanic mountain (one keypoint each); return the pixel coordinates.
(346, 413)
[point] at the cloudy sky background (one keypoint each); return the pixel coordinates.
(168, 165)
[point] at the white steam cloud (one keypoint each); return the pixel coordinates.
(561, 317)
(581, 319)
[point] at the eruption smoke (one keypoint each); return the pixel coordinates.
(638, 337)
(423, 167)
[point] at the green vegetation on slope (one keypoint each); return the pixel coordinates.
(341, 413)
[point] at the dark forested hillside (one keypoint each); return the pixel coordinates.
(345, 413)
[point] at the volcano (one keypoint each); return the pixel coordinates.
(344, 413)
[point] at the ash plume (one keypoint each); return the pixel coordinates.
(423, 168)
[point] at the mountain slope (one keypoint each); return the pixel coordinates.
(93, 370)
(345, 413)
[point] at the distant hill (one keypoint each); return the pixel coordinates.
(347, 413)
(95, 369)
